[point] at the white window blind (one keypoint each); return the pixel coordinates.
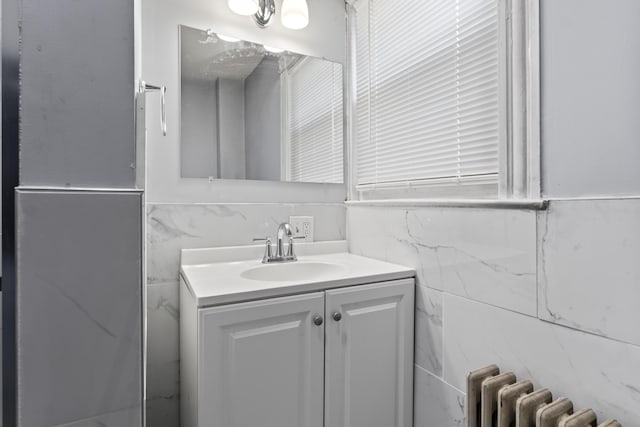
(427, 95)
(315, 121)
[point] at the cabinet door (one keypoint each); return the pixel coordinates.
(369, 355)
(262, 363)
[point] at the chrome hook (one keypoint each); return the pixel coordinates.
(146, 87)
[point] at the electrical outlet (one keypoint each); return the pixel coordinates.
(302, 227)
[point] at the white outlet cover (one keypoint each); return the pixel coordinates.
(302, 228)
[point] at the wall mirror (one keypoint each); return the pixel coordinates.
(250, 111)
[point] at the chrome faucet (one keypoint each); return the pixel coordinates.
(284, 231)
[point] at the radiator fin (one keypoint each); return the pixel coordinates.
(582, 418)
(499, 400)
(507, 398)
(489, 399)
(552, 414)
(474, 392)
(527, 407)
(610, 423)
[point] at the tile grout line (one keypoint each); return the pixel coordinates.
(537, 256)
(431, 374)
(287, 204)
(443, 340)
(554, 324)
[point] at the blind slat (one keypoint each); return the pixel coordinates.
(427, 102)
(315, 121)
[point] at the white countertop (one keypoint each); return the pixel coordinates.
(213, 276)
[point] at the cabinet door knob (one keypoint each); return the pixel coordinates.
(337, 316)
(317, 320)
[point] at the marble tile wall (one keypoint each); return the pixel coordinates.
(443, 405)
(551, 295)
(486, 255)
(79, 322)
(593, 371)
(171, 227)
(590, 271)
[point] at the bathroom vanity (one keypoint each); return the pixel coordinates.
(323, 341)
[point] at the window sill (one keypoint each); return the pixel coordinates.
(536, 205)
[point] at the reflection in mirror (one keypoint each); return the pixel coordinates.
(256, 112)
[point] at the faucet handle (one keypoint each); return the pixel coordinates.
(290, 253)
(267, 250)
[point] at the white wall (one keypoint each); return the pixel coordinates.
(324, 37)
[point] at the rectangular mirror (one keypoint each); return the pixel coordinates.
(256, 112)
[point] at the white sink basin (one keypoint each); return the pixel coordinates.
(293, 271)
(216, 276)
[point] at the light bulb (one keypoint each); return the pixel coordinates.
(243, 7)
(228, 38)
(273, 49)
(295, 14)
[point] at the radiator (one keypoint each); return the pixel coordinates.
(500, 400)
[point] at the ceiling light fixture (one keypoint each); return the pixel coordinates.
(243, 7)
(266, 11)
(295, 14)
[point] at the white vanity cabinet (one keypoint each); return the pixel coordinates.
(334, 358)
(369, 355)
(261, 363)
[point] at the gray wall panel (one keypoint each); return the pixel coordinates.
(77, 93)
(231, 151)
(263, 121)
(79, 299)
(590, 97)
(199, 129)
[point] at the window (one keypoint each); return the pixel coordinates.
(315, 122)
(436, 95)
